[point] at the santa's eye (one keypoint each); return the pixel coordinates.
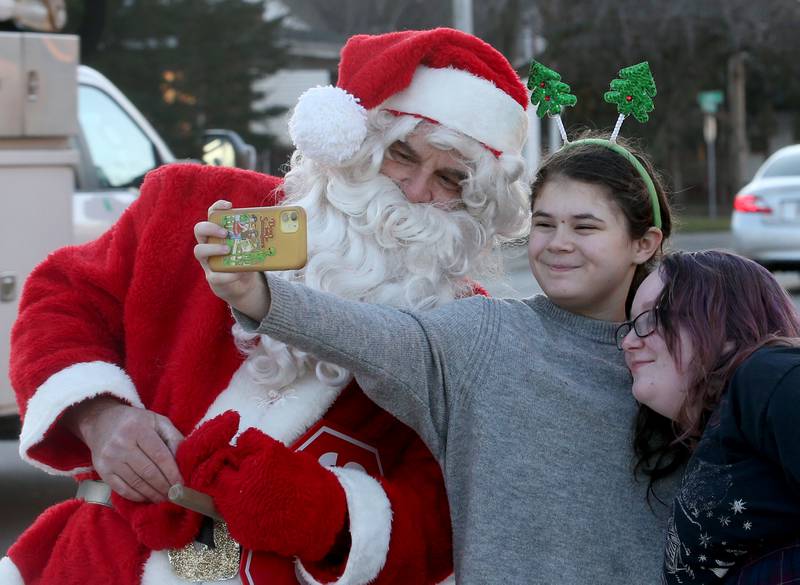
(400, 155)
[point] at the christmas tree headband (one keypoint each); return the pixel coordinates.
(633, 93)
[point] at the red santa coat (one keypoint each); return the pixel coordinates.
(131, 315)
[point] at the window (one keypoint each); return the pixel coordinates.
(784, 166)
(120, 150)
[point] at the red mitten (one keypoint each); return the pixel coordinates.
(274, 499)
(159, 526)
(166, 525)
(208, 445)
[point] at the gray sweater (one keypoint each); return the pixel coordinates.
(529, 410)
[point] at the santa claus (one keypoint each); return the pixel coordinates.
(410, 172)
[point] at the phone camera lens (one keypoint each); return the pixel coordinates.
(293, 216)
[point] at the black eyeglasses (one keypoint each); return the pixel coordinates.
(643, 324)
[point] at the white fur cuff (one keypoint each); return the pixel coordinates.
(370, 528)
(63, 389)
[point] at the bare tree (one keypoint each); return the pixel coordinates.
(689, 45)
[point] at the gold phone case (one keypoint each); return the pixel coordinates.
(261, 238)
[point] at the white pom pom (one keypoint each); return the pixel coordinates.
(328, 125)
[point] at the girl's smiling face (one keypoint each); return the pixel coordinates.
(580, 249)
(660, 379)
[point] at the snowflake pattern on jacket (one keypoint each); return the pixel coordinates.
(740, 493)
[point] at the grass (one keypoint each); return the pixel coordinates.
(702, 223)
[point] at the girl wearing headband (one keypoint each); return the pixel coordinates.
(526, 403)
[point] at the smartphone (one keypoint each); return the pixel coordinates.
(261, 238)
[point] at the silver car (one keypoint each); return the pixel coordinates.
(766, 213)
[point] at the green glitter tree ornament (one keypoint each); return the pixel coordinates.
(549, 94)
(633, 94)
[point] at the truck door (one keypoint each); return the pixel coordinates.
(116, 153)
(37, 159)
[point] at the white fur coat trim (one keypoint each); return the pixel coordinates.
(370, 528)
(66, 388)
(287, 418)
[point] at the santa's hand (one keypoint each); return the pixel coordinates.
(132, 448)
(245, 291)
(166, 525)
(275, 499)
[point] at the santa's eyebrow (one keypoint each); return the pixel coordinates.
(455, 174)
(406, 148)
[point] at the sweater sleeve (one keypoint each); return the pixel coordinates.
(418, 366)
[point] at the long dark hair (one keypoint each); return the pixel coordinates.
(598, 165)
(729, 307)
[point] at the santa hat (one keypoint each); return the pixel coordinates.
(442, 75)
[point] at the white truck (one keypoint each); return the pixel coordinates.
(73, 152)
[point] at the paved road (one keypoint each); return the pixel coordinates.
(25, 491)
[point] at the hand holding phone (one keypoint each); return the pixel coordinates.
(260, 238)
(240, 284)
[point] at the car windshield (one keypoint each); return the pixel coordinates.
(784, 166)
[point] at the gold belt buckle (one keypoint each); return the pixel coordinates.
(198, 562)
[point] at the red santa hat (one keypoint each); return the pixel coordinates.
(441, 75)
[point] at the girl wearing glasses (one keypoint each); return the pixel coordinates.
(714, 354)
(526, 403)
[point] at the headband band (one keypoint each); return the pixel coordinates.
(648, 181)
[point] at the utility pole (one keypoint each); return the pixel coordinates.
(737, 78)
(533, 150)
(709, 103)
(462, 15)
(533, 145)
(710, 135)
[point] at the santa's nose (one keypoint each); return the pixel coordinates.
(416, 189)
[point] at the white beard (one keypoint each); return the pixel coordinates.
(368, 243)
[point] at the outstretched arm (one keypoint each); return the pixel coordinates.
(416, 366)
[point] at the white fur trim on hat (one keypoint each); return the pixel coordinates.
(328, 125)
(9, 574)
(462, 101)
(66, 388)
(370, 528)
